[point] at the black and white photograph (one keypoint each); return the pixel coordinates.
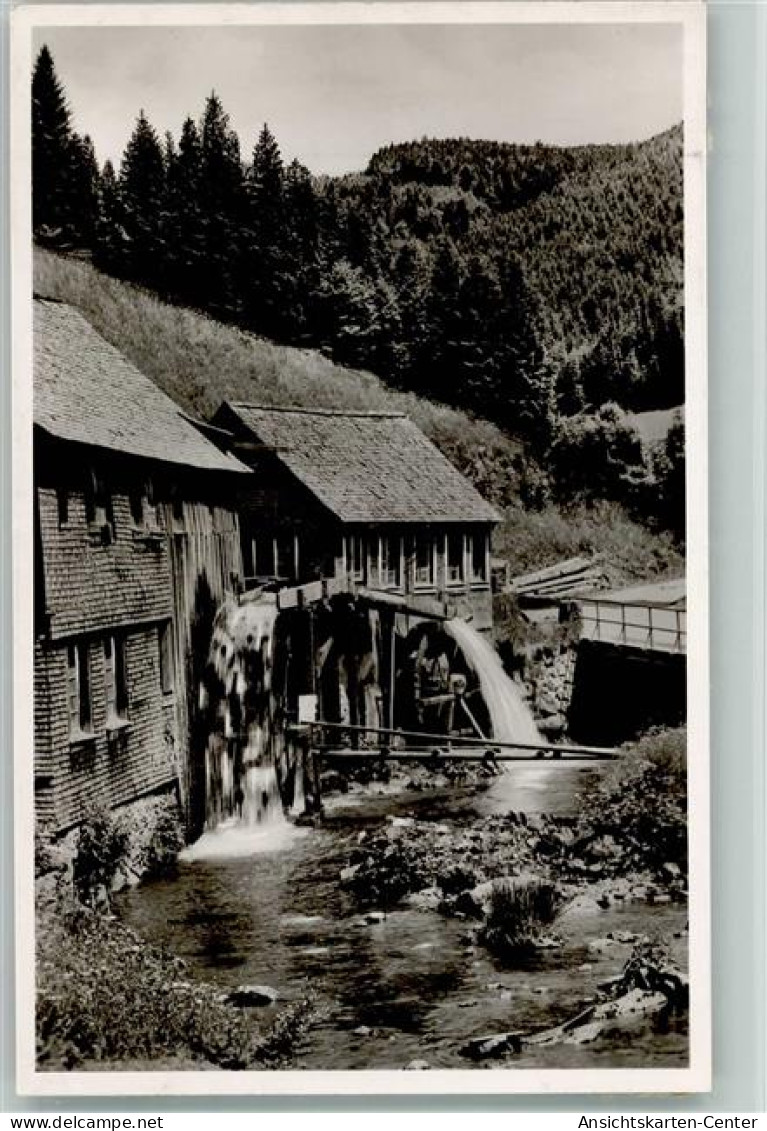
(360, 440)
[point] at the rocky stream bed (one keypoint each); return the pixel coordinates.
(421, 924)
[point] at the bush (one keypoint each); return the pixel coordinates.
(157, 857)
(598, 456)
(45, 857)
(642, 803)
(100, 850)
(517, 912)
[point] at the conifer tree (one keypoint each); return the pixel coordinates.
(142, 196)
(411, 274)
(302, 242)
(186, 271)
(51, 139)
(83, 190)
(268, 285)
(109, 251)
(267, 176)
(221, 199)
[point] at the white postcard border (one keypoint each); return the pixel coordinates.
(690, 14)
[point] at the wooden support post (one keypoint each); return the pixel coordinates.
(316, 784)
(469, 713)
(392, 668)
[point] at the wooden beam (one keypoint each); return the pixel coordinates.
(496, 744)
(481, 754)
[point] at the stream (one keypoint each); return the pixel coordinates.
(411, 986)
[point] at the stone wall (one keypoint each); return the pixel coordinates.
(549, 680)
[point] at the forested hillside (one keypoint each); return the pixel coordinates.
(539, 288)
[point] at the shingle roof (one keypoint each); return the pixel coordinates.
(670, 594)
(88, 392)
(365, 466)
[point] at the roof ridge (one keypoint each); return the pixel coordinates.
(302, 409)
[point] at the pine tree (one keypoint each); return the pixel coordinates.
(221, 201)
(51, 140)
(142, 196)
(268, 285)
(109, 250)
(266, 177)
(360, 316)
(411, 274)
(185, 266)
(302, 245)
(83, 190)
(524, 394)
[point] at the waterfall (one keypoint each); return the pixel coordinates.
(510, 717)
(245, 756)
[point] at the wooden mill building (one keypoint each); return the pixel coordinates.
(363, 498)
(136, 543)
(146, 521)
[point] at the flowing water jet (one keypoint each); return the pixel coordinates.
(510, 717)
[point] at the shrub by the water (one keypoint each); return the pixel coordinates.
(641, 804)
(518, 910)
(100, 850)
(157, 837)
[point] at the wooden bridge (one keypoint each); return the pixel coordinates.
(434, 751)
(652, 618)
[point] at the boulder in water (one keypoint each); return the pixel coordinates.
(245, 996)
(428, 899)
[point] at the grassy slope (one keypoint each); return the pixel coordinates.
(629, 552)
(200, 362)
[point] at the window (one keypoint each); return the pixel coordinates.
(356, 553)
(151, 512)
(167, 670)
(137, 506)
(262, 556)
(143, 506)
(479, 557)
(454, 557)
(423, 561)
(78, 690)
(284, 556)
(98, 507)
(116, 684)
(391, 564)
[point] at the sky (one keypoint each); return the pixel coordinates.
(333, 95)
